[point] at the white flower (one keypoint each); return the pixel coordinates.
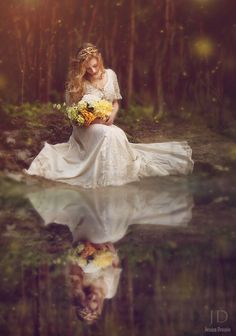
(90, 99)
(90, 268)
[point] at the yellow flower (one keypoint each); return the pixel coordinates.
(81, 261)
(103, 259)
(80, 120)
(88, 117)
(102, 109)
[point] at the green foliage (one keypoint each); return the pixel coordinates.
(28, 114)
(136, 114)
(141, 112)
(27, 110)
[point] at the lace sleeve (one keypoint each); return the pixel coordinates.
(116, 86)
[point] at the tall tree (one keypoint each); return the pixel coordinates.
(131, 48)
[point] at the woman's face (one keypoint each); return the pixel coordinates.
(92, 67)
(95, 299)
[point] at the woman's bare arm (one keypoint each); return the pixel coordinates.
(115, 108)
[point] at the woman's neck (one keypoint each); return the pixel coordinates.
(97, 77)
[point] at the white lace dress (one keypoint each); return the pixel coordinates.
(101, 155)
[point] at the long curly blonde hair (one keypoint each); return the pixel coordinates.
(77, 74)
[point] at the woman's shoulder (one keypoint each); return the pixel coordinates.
(110, 71)
(112, 75)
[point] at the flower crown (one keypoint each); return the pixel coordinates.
(87, 51)
(87, 314)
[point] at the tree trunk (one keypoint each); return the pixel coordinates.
(130, 63)
(51, 54)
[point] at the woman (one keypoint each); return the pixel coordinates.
(100, 155)
(93, 275)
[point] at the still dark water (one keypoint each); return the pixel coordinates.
(151, 258)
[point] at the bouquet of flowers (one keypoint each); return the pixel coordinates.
(86, 110)
(91, 257)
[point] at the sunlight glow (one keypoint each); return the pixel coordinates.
(203, 47)
(202, 4)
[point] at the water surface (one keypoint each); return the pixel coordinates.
(175, 245)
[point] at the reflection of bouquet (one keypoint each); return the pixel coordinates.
(87, 109)
(91, 257)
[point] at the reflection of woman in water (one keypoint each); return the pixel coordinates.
(91, 215)
(93, 273)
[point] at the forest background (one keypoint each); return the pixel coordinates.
(175, 60)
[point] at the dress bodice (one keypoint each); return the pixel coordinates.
(110, 91)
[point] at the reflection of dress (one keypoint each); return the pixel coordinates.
(111, 277)
(101, 155)
(100, 217)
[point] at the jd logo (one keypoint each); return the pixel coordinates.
(219, 316)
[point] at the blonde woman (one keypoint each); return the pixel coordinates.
(100, 154)
(89, 283)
